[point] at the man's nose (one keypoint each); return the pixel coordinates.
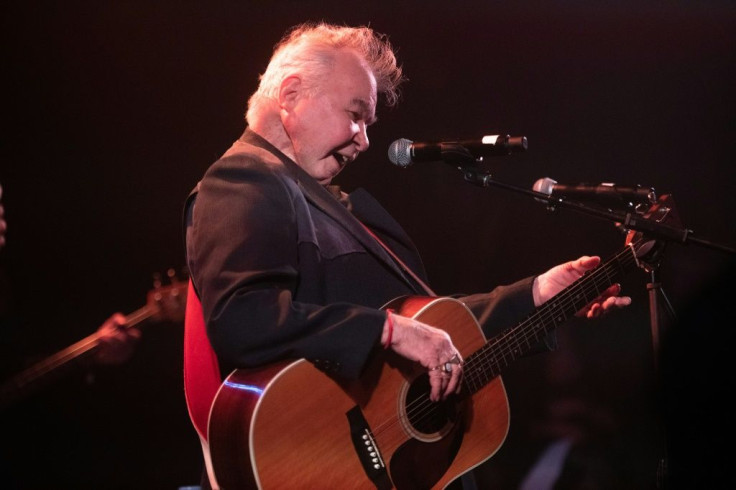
(362, 137)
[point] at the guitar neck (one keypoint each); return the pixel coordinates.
(489, 361)
(46, 370)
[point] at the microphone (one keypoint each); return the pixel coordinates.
(604, 193)
(404, 152)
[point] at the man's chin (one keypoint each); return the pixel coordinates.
(325, 180)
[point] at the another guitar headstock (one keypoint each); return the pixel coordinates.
(168, 303)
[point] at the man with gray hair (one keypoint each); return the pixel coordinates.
(287, 266)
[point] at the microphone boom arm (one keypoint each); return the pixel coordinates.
(629, 220)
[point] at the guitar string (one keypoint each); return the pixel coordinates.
(588, 286)
(511, 344)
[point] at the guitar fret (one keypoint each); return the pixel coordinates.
(488, 362)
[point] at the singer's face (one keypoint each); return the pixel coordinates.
(328, 129)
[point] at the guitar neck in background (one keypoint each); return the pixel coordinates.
(55, 366)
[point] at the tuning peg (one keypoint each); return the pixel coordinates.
(157, 280)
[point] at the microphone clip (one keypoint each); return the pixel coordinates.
(455, 153)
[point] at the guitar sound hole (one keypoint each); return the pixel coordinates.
(427, 417)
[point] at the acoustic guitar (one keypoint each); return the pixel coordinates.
(289, 425)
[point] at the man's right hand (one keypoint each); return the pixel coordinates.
(432, 348)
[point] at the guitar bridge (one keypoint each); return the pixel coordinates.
(367, 450)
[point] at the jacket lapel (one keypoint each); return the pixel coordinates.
(321, 198)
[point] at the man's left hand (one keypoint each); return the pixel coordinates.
(556, 279)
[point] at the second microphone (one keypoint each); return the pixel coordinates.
(404, 152)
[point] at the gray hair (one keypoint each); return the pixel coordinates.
(309, 49)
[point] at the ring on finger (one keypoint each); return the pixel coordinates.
(447, 367)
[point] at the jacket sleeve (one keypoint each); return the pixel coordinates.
(505, 307)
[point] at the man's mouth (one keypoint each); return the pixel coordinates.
(341, 159)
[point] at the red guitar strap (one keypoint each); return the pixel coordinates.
(201, 371)
(401, 263)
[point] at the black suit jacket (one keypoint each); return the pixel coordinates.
(286, 269)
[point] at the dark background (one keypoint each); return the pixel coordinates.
(113, 112)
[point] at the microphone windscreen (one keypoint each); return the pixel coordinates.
(399, 152)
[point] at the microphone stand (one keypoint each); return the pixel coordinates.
(629, 221)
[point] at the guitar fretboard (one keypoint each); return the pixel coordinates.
(489, 361)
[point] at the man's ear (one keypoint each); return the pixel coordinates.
(289, 92)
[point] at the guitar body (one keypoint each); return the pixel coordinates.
(290, 425)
